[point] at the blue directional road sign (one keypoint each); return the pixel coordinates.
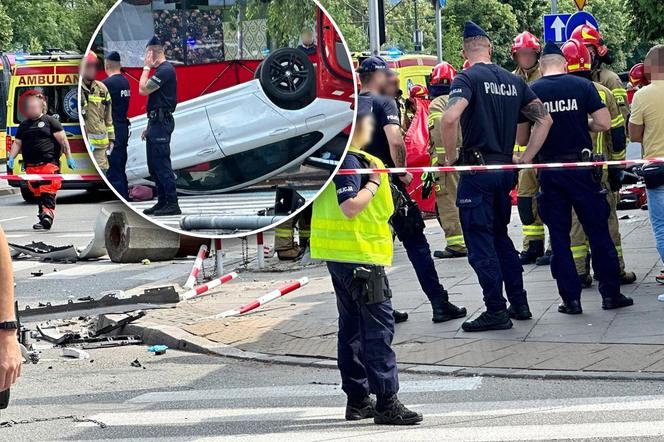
(554, 27)
(578, 19)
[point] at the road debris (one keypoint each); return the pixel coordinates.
(75, 353)
(45, 252)
(136, 363)
(158, 350)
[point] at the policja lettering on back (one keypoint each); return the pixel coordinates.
(500, 89)
(561, 105)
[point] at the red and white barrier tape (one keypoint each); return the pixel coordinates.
(49, 177)
(253, 305)
(199, 290)
(196, 270)
(437, 169)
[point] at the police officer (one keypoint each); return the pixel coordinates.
(605, 146)
(489, 102)
(446, 187)
(387, 144)
(308, 43)
(118, 87)
(350, 231)
(571, 100)
(161, 90)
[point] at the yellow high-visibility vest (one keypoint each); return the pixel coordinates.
(365, 239)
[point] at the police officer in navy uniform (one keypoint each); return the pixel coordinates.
(387, 144)
(118, 87)
(570, 101)
(161, 90)
(489, 102)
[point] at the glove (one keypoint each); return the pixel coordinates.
(92, 148)
(71, 163)
(10, 163)
(428, 181)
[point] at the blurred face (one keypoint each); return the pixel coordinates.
(90, 71)
(307, 38)
(592, 50)
(526, 58)
(364, 130)
(653, 65)
(33, 107)
(391, 85)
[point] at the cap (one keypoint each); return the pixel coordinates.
(470, 29)
(552, 49)
(374, 64)
(154, 41)
(364, 105)
(113, 56)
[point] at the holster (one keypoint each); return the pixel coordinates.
(470, 157)
(407, 219)
(159, 115)
(588, 156)
(374, 284)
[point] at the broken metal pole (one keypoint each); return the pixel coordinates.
(214, 222)
(131, 239)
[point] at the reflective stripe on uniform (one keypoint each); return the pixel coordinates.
(619, 250)
(620, 94)
(440, 150)
(433, 116)
(98, 140)
(579, 252)
(533, 230)
(95, 99)
(455, 240)
(283, 233)
(618, 121)
(618, 156)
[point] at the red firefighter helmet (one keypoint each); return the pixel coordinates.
(637, 76)
(466, 65)
(418, 91)
(90, 58)
(590, 36)
(577, 55)
(526, 40)
(443, 74)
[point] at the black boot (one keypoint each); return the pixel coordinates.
(399, 316)
(572, 307)
(488, 321)
(617, 302)
(586, 281)
(535, 250)
(449, 253)
(393, 412)
(545, 259)
(154, 208)
(444, 310)
(360, 409)
(519, 312)
(169, 209)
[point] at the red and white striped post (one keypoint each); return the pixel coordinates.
(203, 288)
(260, 250)
(196, 270)
(219, 255)
(269, 297)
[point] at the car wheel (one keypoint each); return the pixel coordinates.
(288, 78)
(28, 196)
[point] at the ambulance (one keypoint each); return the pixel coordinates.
(412, 68)
(54, 74)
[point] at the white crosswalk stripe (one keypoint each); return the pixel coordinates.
(486, 421)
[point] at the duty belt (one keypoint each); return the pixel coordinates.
(159, 114)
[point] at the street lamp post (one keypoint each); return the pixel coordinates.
(439, 32)
(374, 23)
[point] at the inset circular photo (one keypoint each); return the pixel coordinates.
(217, 117)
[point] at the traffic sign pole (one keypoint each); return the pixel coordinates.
(374, 23)
(439, 32)
(554, 6)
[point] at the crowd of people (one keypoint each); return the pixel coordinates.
(191, 36)
(561, 105)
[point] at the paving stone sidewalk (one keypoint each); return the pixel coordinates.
(304, 323)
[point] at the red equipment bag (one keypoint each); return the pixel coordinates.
(417, 153)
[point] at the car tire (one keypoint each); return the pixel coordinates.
(288, 78)
(28, 196)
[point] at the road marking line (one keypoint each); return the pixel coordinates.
(299, 391)
(83, 270)
(76, 235)
(16, 235)
(12, 219)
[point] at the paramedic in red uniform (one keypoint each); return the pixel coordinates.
(42, 140)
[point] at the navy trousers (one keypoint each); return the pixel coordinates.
(485, 208)
(562, 190)
(117, 161)
(364, 352)
(419, 255)
(159, 159)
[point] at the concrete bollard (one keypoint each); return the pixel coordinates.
(131, 239)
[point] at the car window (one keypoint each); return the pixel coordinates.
(234, 170)
(61, 101)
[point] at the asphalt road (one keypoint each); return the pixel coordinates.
(75, 218)
(194, 397)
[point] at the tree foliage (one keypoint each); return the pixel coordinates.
(648, 18)
(5, 28)
(286, 19)
(36, 26)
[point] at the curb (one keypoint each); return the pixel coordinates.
(176, 338)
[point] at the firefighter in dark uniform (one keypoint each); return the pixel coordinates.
(118, 87)
(161, 90)
(489, 102)
(350, 230)
(388, 145)
(571, 100)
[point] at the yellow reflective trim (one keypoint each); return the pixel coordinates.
(618, 156)
(618, 121)
(95, 99)
(99, 142)
(455, 240)
(440, 150)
